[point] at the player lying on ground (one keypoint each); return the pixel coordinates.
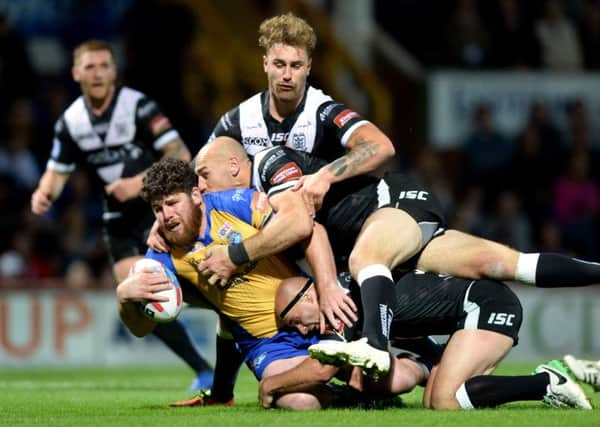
(360, 214)
(482, 319)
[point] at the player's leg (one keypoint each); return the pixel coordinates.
(388, 237)
(464, 255)
(490, 328)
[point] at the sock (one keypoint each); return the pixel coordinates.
(488, 391)
(547, 270)
(377, 293)
(174, 335)
(227, 367)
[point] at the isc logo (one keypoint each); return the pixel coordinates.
(279, 136)
(413, 195)
(501, 319)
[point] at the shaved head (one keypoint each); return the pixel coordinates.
(297, 304)
(223, 164)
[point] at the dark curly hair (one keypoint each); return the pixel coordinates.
(168, 176)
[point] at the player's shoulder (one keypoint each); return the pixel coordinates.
(228, 198)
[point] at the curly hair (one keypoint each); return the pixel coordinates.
(168, 176)
(287, 29)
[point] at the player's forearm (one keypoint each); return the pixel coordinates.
(52, 183)
(319, 255)
(369, 149)
(286, 228)
(132, 317)
(177, 150)
(306, 374)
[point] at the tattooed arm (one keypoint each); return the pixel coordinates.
(368, 148)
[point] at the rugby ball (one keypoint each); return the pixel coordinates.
(161, 311)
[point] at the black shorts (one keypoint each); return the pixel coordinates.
(492, 306)
(126, 237)
(345, 219)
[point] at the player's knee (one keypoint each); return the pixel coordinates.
(443, 399)
(298, 402)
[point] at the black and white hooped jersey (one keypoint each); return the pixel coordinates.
(319, 125)
(124, 141)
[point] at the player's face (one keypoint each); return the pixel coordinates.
(179, 217)
(305, 316)
(214, 174)
(95, 71)
(287, 68)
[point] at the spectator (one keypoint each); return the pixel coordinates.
(508, 224)
(512, 40)
(590, 35)
(560, 45)
(468, 38)
(488, 153)
(577, 206)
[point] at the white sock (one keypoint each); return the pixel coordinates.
(372, 271)
(463, 397)
(526, 268)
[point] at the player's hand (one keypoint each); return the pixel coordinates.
(314, 187)
(124, 189)
(156, 240)
(143, 286)
(217, 266)
(336, 305)
(265, 395)
(41, 201)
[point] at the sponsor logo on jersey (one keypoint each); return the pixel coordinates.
(146, 109)
(227, 232)
(238, 196)
(285, 173)
(260, 202)
(299, 141)
(501, 319)
(159, 124)
(344, 117)
(413, 195)
(256, 141)
(279, 136)
(323, 114)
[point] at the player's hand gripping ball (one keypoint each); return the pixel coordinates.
(161, 311)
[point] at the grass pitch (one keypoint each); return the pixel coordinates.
(138, 397)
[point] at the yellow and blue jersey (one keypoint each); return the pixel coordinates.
(247, 303)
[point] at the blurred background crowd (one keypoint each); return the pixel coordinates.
(535, 187)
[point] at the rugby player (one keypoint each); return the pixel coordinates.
(482, 319)
(117, 133)
(360, 215)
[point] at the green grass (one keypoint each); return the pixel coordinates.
(137, 397)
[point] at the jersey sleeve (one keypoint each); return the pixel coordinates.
(162, 257)
(339, 121)
(155, 126)
(275, 170)
(228, 125)
(65, 152)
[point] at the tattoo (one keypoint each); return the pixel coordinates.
(363, 151)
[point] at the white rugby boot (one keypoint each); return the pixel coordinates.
(562, 391)
(587, 371)
(358, 353)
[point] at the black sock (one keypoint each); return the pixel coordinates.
(557, 271)
(174, 335)
(377, 293)
(488, 391)
(229, 360)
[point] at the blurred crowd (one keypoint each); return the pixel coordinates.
(537, 191)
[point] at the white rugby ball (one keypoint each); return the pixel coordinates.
(161, 311)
